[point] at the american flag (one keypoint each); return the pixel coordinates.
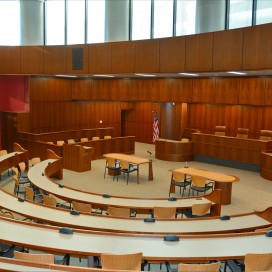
(155, 127)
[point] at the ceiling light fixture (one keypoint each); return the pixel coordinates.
(65, 76)
(236, 73)
(145, 75)
(103, 76)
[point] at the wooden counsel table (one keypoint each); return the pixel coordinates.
(133, 160)
(39, 176)
(222, 181)
(62, 217)
(94, 243)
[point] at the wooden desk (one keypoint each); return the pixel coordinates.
(62, 217)
(39, 175)
(133, 160)
(90, 243)
(176, 151)
(222, 181)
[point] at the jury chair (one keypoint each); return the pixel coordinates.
(251, 262)
(180, 180)
(122, 261)
(220, 130)
(44, 258)
(51, 201)
(120, 212)
(164, 212)
(23, 173)
(200, 185)
(84, 140)
(71, 141)
(60, 143)
(266, 135)
(95, 138)
(35, 161)
(198, 210)
(197, 267)
(242, 133)
(82, 207)
(127, 168)
(33, 194)
(107, 137)
(112, 165)
(19, 186)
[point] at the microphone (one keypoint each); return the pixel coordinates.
(149, 152)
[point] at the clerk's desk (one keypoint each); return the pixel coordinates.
(38, 176)
(222, 181)
(62, 217)
(94, 243)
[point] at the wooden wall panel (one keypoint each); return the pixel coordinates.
(226, 90)
(268, 91)
(199, 50)
(32, 60)
(267, 120)
(82, 89)
(227, 50)
(100, 58)
(101, 89)
(141, 89)
(196, 116)
(251, 91)
(10, 59)
(257, 47)
(203, 90)
(147, 56)
(164, 89)
(55, 58)
(121, 90)
(176, 46)
(181, 90)
(123, 57)
(85, 69)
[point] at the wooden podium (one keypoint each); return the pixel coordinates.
(77, 158)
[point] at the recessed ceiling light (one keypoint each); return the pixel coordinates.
(236, 73)
(188, 74)
(103, 75)
(145, 75)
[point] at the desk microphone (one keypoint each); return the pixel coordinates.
(149, 152)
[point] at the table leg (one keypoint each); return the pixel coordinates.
(138, 174)
(150, 170)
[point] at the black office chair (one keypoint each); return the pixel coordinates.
(198, 210)
(114, 166)
(127, 168)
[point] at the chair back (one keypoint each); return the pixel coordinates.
(7, 215)
(207, 267)
(258, 262)
(82, 207)
(3, 152)
(198, 181)
(84, 140)
(242, 133)
(220, 130)
(122, 262)
(49, 201)
(201, 209)
(178, 177)
(22, 167)
(111, 162)
(266, 135)
(60, 143)
(118, 212)
(71, 141)
(34, 258)
(35, 160)
(124, 164)
(29, 193)
(184, 140)
(164, 212)
(95, 138)
(107, 137)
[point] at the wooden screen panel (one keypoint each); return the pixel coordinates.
(100, 58)
(147, 56)
(32, 59)
(257, 47)
(72, 53)
(82, 89)
(121, 90)
(101, 89)
(181, 90)
(226, 90)
(268, 91)
(203, 90)
(123, 57)
(199, 50)
(10, 59)
(172, 47)
(251, 91)
(140, 88)
(162, 89)
(227, 50)
(55, 59)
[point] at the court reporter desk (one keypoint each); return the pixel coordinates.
(63, 217)
(39, 175)
(94, 243)
(222, 181)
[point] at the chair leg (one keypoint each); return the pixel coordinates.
(127, 177)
